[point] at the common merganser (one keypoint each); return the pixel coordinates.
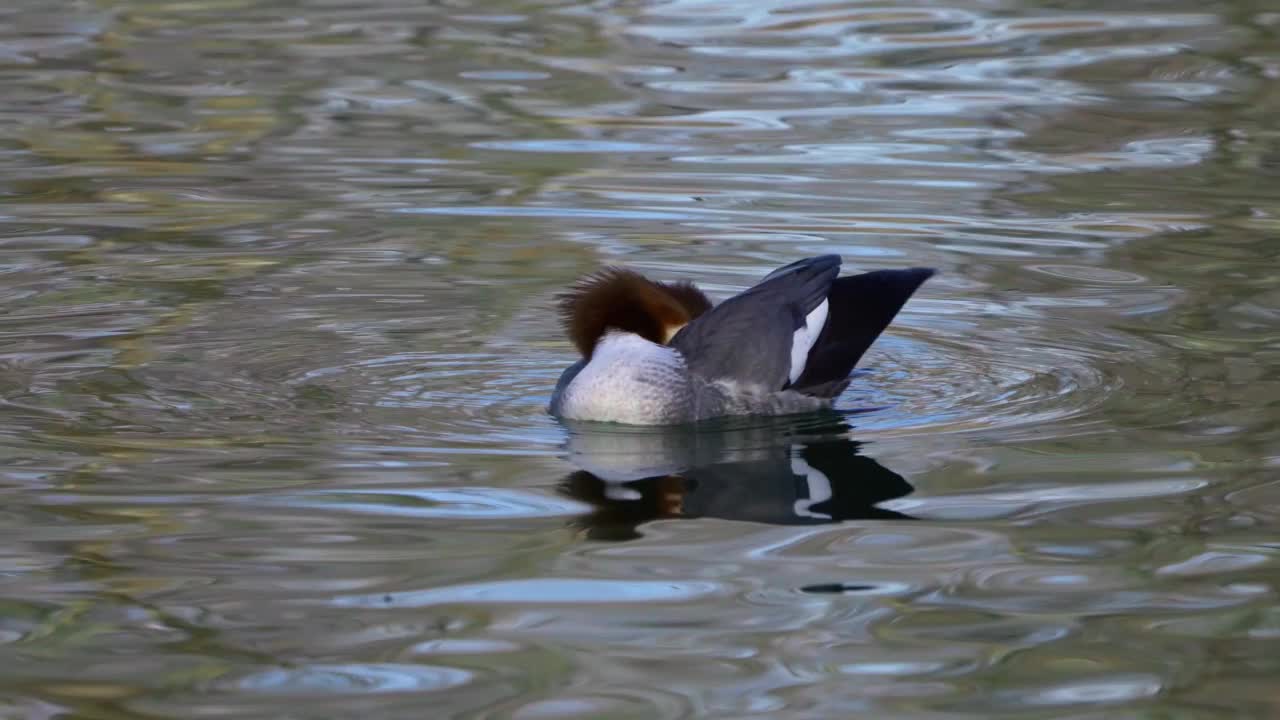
(659, 354)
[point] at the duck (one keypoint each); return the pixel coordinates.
(661, 353)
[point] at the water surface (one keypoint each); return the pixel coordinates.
(278, 283)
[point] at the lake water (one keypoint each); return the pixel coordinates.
(278, 283)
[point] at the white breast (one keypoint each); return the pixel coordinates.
(630, 380)
(803, 339)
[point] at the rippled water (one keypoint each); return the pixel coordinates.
(278, 283)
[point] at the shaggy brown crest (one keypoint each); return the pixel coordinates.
(618, 299)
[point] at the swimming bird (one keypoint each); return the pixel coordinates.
(657, 353)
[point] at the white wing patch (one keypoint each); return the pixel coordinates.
(803, 339)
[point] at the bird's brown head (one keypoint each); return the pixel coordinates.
(618, 299)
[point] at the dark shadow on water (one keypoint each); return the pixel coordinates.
(783, 471)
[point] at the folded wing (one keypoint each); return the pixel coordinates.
(764, 336)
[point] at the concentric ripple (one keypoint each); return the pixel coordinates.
(946, 385)
(935, 370)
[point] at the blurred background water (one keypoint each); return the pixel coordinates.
(278, 330)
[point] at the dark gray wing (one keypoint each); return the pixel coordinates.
(747, 338)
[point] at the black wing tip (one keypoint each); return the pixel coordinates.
(820, 263)
(918, 275)
(824, 259)
(816, 264)
(912, 277)
(924, 273)
(905, 280)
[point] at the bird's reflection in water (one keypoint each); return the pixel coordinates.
(786, 471)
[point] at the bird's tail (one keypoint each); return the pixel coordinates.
(860, 308)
